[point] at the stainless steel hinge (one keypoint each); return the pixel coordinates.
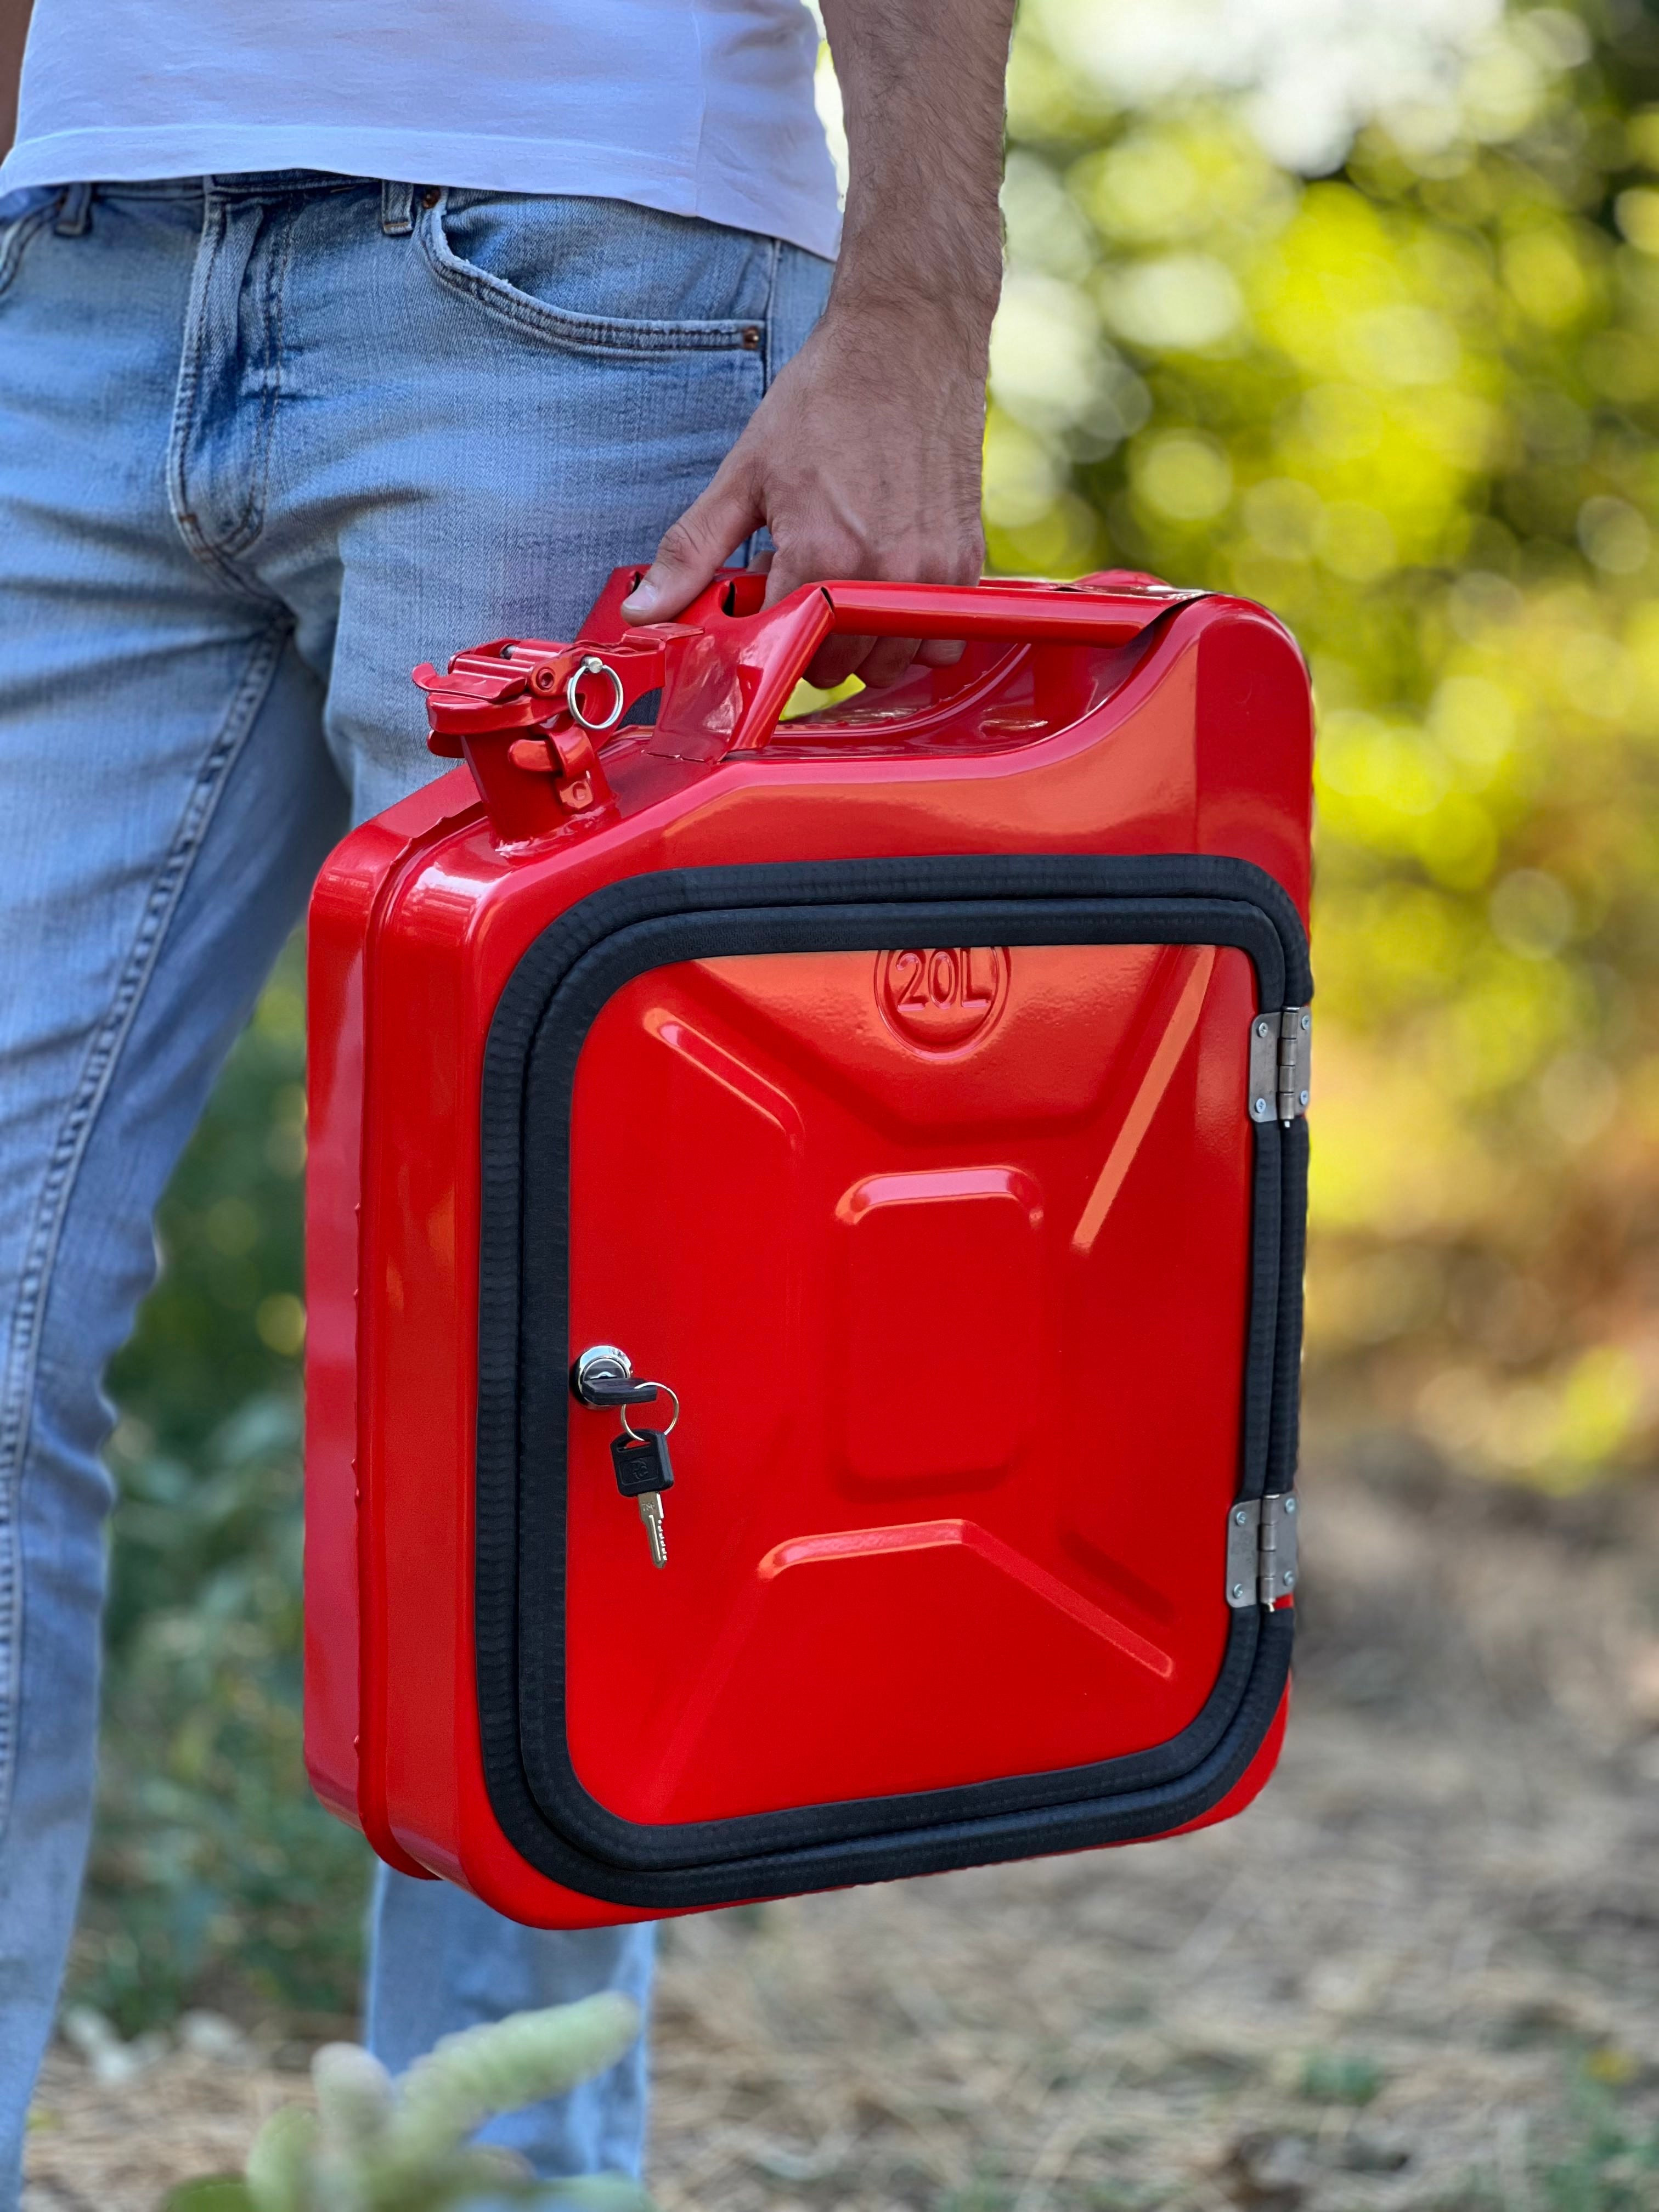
(1281, 1048)
(1260, 1549)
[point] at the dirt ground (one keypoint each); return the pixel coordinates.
(1423, 1971)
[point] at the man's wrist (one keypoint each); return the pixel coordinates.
(949, 308)
(955, 305)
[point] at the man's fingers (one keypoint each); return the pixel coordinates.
(695, 548)
(838, 657)
(835, 659)
(876, 661)
(886, 661)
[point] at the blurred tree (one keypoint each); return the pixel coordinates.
(1412, 405)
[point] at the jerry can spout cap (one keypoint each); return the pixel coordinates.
(524, 716)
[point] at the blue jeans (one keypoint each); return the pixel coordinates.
(265, 442)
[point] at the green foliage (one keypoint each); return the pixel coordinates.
(215, 1876)
(213, 2192)
(1610, 2167)
(1331, 2077)
(225, 1323)
(1413, 407)
(375, 2146)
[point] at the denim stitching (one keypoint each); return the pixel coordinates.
(768, 323)
(256, 185)
(185, 398)
(556, 325)
(190, 373)
(75, 211)
(16, 235)
(35, 1276)
(397, 209)
(275, 295)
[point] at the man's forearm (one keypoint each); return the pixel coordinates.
(922, 91)
(863, 460)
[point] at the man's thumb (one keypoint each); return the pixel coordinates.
(693, 549)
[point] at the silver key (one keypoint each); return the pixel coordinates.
(651, 1514)
(604, 1375)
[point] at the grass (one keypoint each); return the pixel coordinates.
(1332, 2077)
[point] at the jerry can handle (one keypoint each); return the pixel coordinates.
(783, 641)
(1014, 613)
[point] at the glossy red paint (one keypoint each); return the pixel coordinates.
(974, 1564)
(894, 1424)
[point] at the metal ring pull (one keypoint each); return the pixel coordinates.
(591, 665)
(673, 1419)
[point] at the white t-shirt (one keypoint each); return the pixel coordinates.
(700, 107)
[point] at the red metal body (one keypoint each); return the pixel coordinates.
(945, 1247)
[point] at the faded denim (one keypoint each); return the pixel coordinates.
(265, 442)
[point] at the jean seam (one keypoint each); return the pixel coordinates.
(201, 548)
(190, 373)
(253, 517)
(557, 326)
(17, 237)
(770, 325)
(58, 1188)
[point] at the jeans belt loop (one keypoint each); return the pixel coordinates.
(75, 212)
(397, 209)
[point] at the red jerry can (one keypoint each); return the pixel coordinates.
(884, 1126)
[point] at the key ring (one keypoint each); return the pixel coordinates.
(673, 1421)
(591, 665)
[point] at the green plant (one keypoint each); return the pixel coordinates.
(225, 1322)
(1610, 2167)
(216, 1876)
(372, 2145)
(1331, 2077)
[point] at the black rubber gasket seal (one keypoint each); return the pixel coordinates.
(536, 1038)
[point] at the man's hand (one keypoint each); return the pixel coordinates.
(864, 458)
